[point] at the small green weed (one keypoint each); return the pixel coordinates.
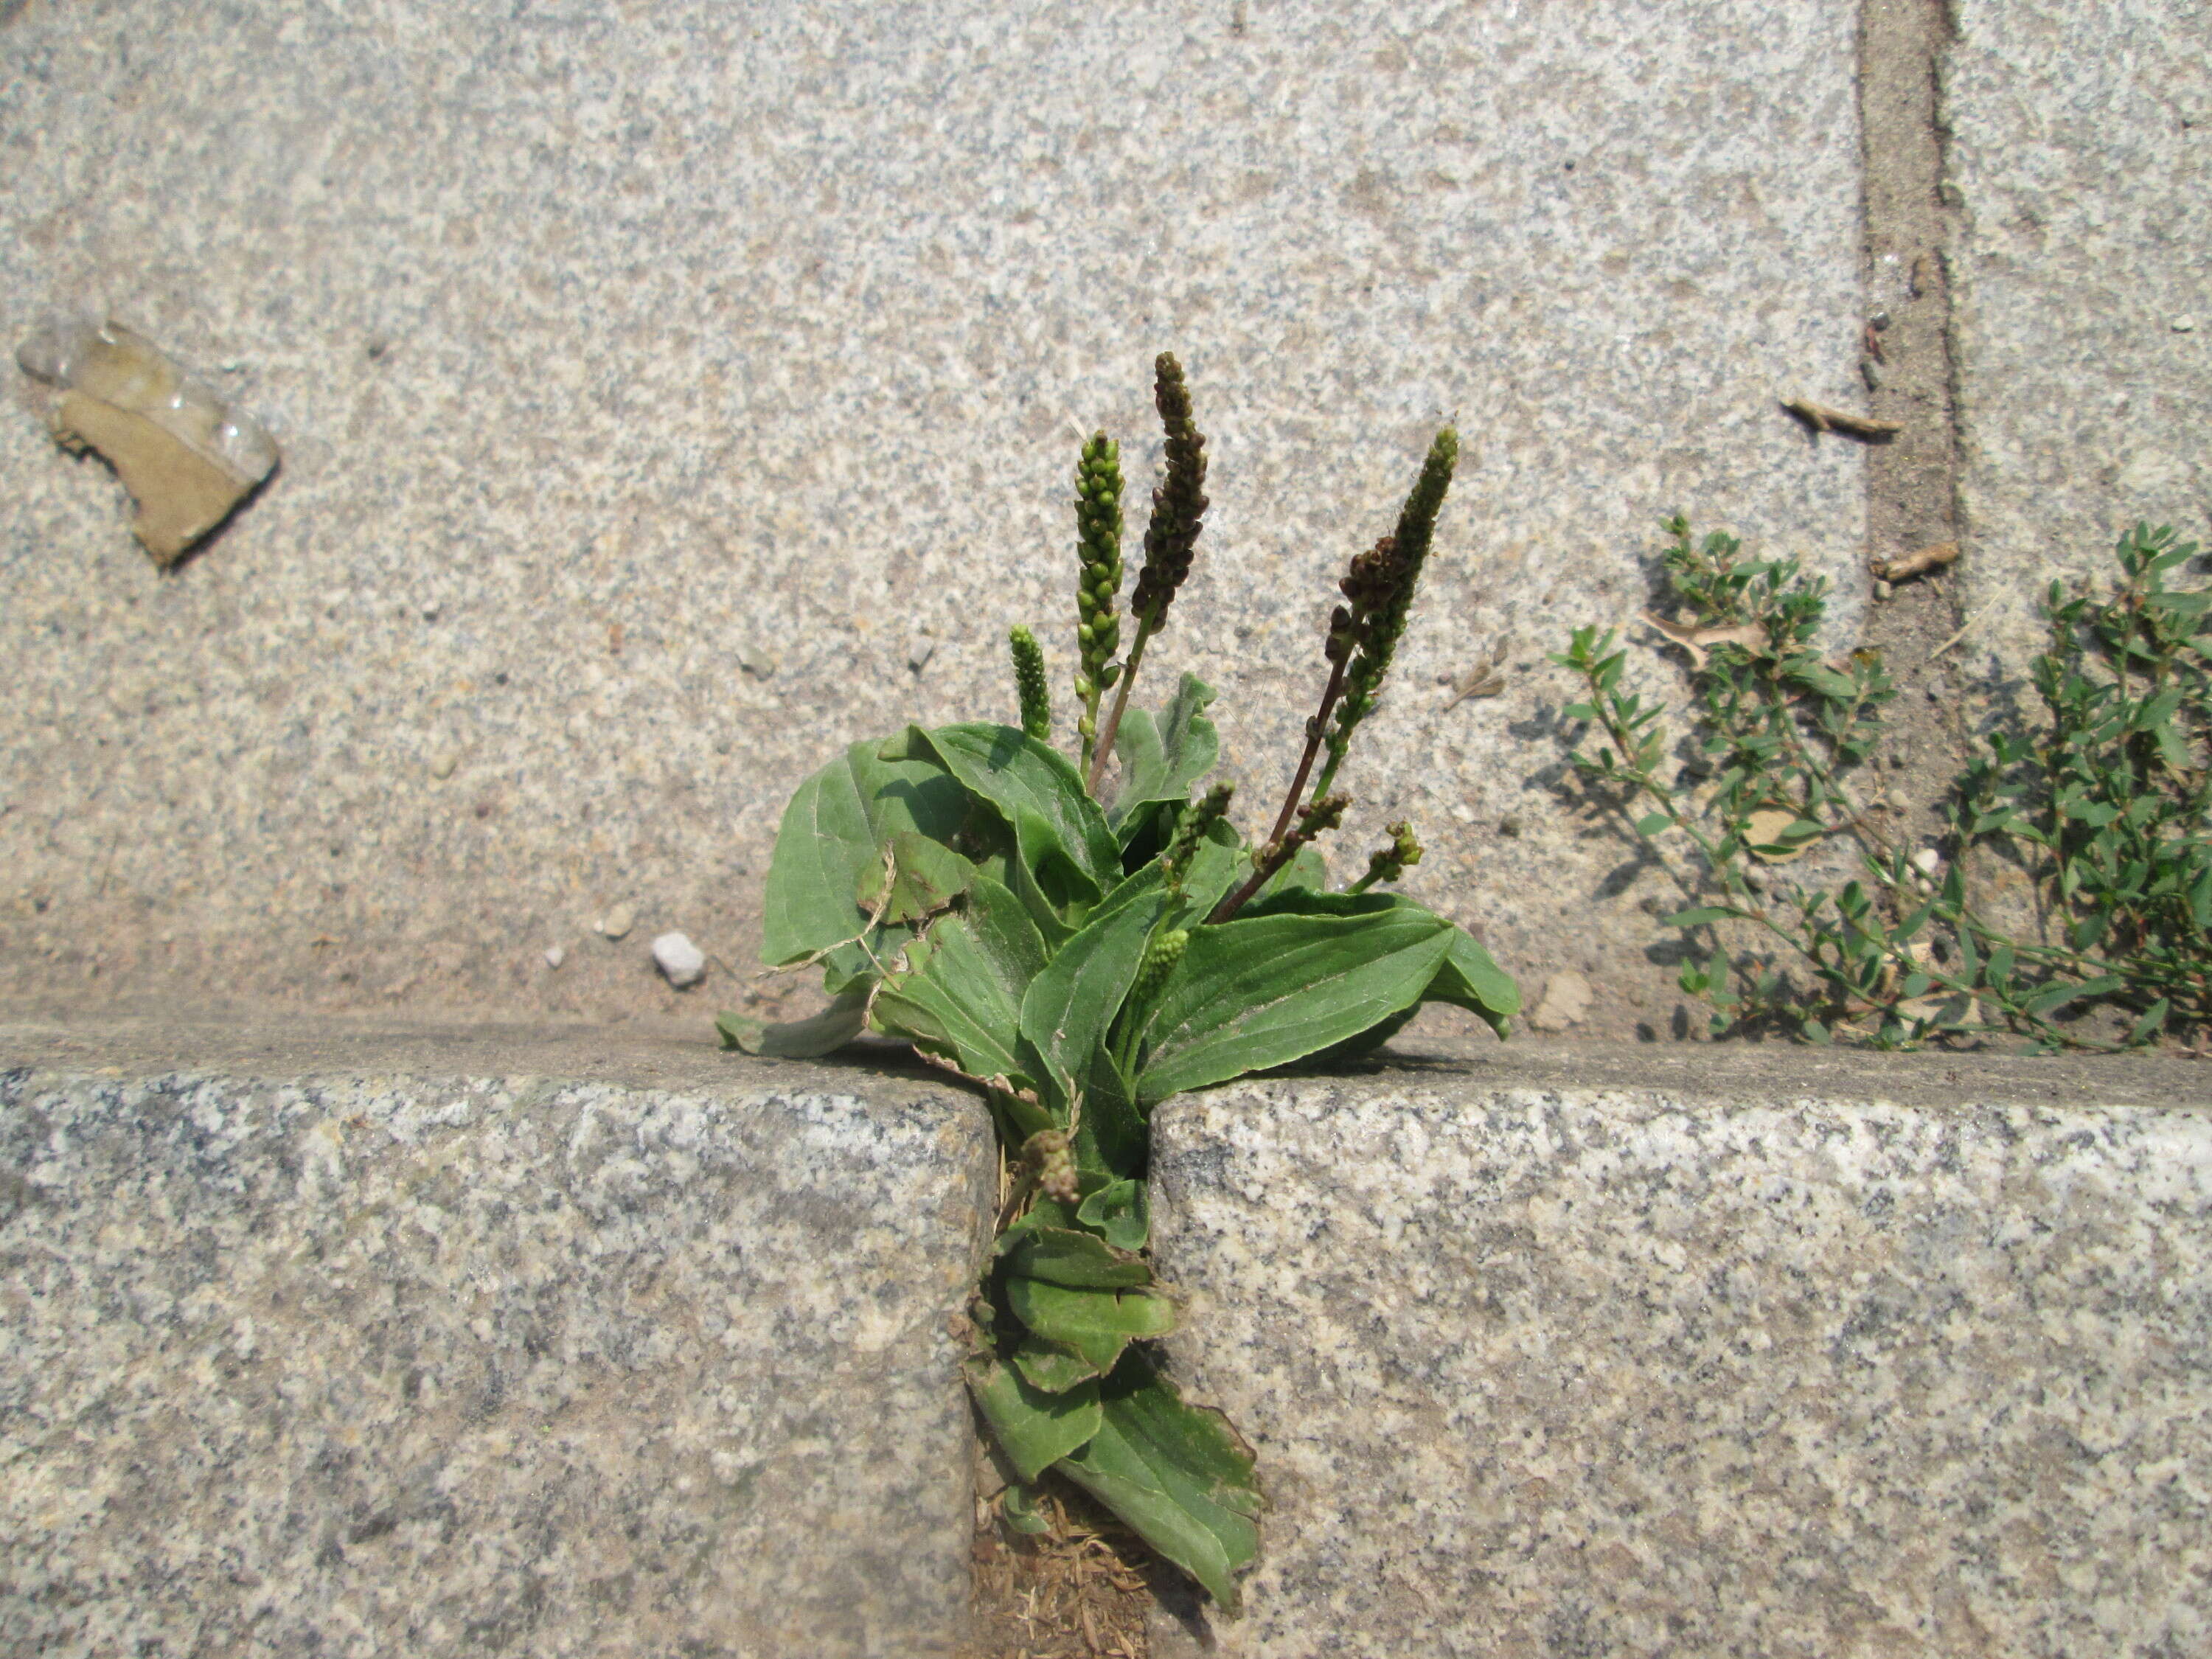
(2106, 808)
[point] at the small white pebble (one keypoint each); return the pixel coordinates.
(443, 762)
(679, 959)
(2184, 326)
(555, 955)
(617, 921)
(430, 609)
(1928, 860)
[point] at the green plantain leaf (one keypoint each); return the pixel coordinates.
(1177, 1473)
(1058, 827)
(1033, 1428)
(1251, 994)
(1019, 1507)
(798, 1039)
(1467, 978)
(1365, 1043)
(960, 994)
(916, 879)
(1162, 759)
(832, 841)
(1315, 901)
(1111, 1140)
(1071, 1006)
(1079, 1261)
(1011, 871)
(1123, 1212)
(1043, 1212)
(1052, 1367)
(1470, 980)
(1096, 1324)
(1219, 864)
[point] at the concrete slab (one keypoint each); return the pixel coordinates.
(2080, 163)
(670, 394)
(354, 1346)
(1795, 1358)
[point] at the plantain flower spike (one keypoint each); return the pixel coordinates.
(1319, 816)
(1191, 830)
(1161, 956)
(1178, 515)
(1389, 863)
(1029, 683)
(1380, 586)
(1050, 1155)
(1099, 579)
(1178, 505)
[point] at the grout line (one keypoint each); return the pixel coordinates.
(1909, 362)
(1905, 268)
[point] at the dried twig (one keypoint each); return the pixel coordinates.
(1918, 563)
(1695, 640)
(1821, 418)
(1954, 639)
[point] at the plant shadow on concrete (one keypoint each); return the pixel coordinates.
(2097, 813)
(1081, 952)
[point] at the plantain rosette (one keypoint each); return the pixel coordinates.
(962, 891)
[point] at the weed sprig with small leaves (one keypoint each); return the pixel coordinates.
(2107, 807)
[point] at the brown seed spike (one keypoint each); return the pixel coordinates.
(1178, 505)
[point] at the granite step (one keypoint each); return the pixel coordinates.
(484, 1342)
(1722, 1353)
(562, 1342)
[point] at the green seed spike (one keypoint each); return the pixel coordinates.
(1029, 683)
(1389, 863)
(1161, 955)
(1178, 515)
(1191, 830)
(1099, 576)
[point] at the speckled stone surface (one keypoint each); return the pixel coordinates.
(373, 1364)
(656, 384)
(1547, 1370)
(2080, 152)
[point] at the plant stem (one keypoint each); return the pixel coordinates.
(1278, 853)
(1112, 729)
(1326, 813)
(1315, 729)
(1089, 717)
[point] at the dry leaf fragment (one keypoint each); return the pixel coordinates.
(1698, 641)
(1919, 563)
(1486, 679)
(1482, 681)
(1764, 829)
(186, 456)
